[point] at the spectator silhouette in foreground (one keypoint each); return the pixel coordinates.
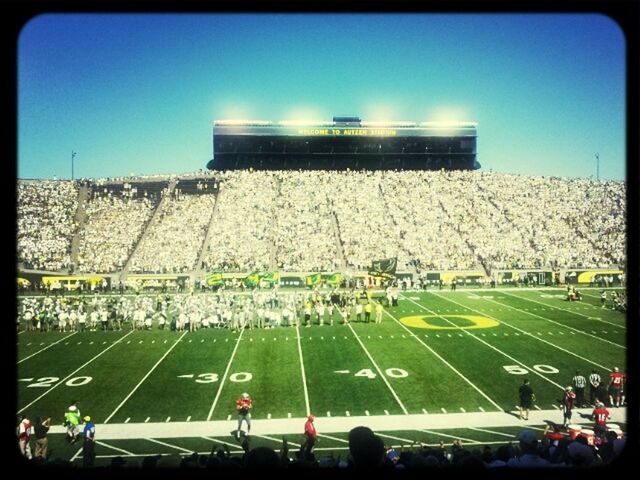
(366, 449)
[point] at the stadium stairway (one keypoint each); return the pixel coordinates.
(79, 218)
(338, 240)
(396, 229)
(207, 237)
(154, 218)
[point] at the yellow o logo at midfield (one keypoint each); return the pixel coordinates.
(424, 321)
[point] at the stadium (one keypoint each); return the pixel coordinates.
(365, 273)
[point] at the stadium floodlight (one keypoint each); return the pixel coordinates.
(243, 122)
(300, 123)
(390, 124)
(448, 124)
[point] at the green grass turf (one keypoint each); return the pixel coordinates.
(354, 368)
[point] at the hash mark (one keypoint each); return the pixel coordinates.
(425, 411)
(127, 420)
(366, 412)
(443, 410)
(189, 418)
(147, 420)
(348, 414)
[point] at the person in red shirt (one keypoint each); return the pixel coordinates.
(567, 404)
(310, 437)
(615, 387)
(601, 415)
(553, 434)
(243, 406)
(24, 435)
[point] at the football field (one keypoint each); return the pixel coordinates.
(441, 365)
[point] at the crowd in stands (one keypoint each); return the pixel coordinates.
(173, 240)
(46, 225)
(315, 220)
(242, 239)
(114, 223)
(305, 234)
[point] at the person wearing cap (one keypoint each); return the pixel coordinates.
(88, 448)
(71, 421)
(529, 456)
(243, 406)
(567, 404)
(310, 437)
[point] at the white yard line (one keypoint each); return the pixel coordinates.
(324, 435)
(455, 437)
(217, 440)
(304, 378)
(493, 432)
(404, 440)
(43, 349)
(556, 323)
(168, 445)
(382, 375)
(77, 454)
(278, 440)
(528, 334)
(114, 448)
(76, 370)
(144, 378)
(224, 377)
(565, 310)
(487, 343)
(447, 363)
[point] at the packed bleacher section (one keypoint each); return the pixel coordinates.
(173, 242)
(242, 236)
(309, 221)
(46, 225)
(304, 228)
(116, 218)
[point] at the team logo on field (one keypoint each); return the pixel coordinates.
(449, 322)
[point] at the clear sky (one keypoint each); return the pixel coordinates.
(139, 93)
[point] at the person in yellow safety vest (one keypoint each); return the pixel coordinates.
(71, 421)
(367, 312)
(379, 312)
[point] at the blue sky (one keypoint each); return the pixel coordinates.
(139, 93)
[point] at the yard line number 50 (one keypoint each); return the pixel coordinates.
(520, 370)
